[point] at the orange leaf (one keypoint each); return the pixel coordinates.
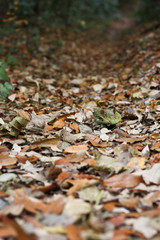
(73, 232)
(76, 148)
(137, 161)
(24, 114)
(7, 232)
(21, 234)
(131, 140)
(90, 161)
(117, 220)
(6, 160)
(29, 204)
(110, 206)
(96, 140)
(78, 184)
(48, 127)
(63, 176)
(130, 203)
(123, 234)
(155, 146)
(59, 123)
(23, 159)
(149, 213)
(56, 206)
(122, 181)
(74, 126)
(62, 161)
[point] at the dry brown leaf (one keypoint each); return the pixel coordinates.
(50, 142)
(20, 196)
(59, 123)
(6, 160)
(123, 180)
(155, 136)
(21, 234)
(137, 162)
(74, 126)
(24, 114)
(8, 231)
(150, 213)
(124, 233)
(79, 184)
(76, 148)
(109, 206)
(56, 207)
(73, 232)
(64, 176)
(155, 146)
(131, 140)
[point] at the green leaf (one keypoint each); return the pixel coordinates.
(106, 118)
(5, 89)
(3, 64)
(3, 74)
(12, 60)
(14, 127)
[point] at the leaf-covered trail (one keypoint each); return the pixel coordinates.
(86, 166)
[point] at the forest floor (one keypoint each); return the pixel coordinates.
(87, 164)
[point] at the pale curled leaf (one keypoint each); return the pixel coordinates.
(110, 164)
(90, 194)
(152, 175)
(76, 208)
(142, 225)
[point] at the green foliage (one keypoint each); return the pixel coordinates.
(3, 65)
(5, 86)
(149, 10)
(106, 118)
(12, 60)
(66, 12)
(3, 74)
(5, 90)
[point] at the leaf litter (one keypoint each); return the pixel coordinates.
(80, 141)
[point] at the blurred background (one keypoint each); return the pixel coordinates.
(81, 14)
(26, 23)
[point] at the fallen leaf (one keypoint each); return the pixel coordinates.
(142, 225)
(14, 127)
(79, 184)
(123, 180)
(76, 148)
(7, 177)
(6, 160)
(76, 208)
(156, 146)
(50, 142)
(106, 118)
(24, 114)
(152, 175)
(12, 209)
(90, 193)
(137, 162)
(8, 231)
(109, 164)
(73, 232)
(131, 140)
